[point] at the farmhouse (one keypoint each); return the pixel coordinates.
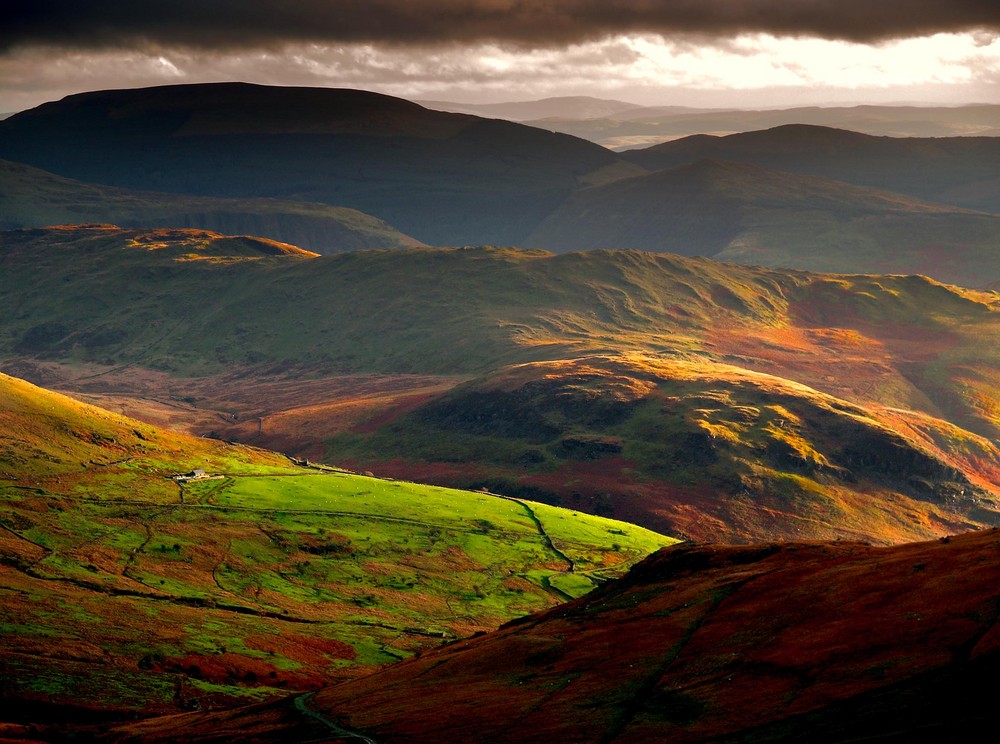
(196, 474)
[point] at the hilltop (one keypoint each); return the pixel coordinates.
(35, 198)
(704, 451)
(961, 171)
(819, 642)
(443, 178)
(740, 212)
(152, 593)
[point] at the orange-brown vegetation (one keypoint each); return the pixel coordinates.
(817, 642)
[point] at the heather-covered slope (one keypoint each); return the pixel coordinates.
(744, 213)
(443, 178)
(125, 591)
(35, 198)
(817, 642)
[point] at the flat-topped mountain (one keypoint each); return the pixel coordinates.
(241, 108)
(442, 178)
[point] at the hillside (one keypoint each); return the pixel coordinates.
(910, 361)
(961, 171)
(748, 214)
(818, 642)
(443, 178)
(152, 594)
(903, 341)
(704, 451)
(34, 198)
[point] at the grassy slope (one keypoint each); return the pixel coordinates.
(744, 213)
(34, 198)
(699, 644)
(123, 590)
(902, 341)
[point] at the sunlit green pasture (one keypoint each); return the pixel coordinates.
(214, 589)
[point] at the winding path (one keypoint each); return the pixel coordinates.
(302, 706)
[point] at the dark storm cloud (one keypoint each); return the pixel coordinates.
(248, 23)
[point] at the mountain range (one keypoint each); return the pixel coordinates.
(734, 211)
(291, 164)
(442, 178)
(961, 171)
(275, 465)
(621, 126)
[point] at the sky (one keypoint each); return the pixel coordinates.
(706, 53)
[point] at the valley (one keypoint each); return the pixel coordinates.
(258, 577)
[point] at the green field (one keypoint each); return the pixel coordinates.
(124, 588)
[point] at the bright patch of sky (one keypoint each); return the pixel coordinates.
(647, 69)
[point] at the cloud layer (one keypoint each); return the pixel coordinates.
(753, 71)
(239, 24)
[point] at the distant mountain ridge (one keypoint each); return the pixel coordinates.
(961, 171)
(645, 126)
(573, 107)
(457, 179)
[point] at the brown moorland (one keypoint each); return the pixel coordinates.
(800, 642)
